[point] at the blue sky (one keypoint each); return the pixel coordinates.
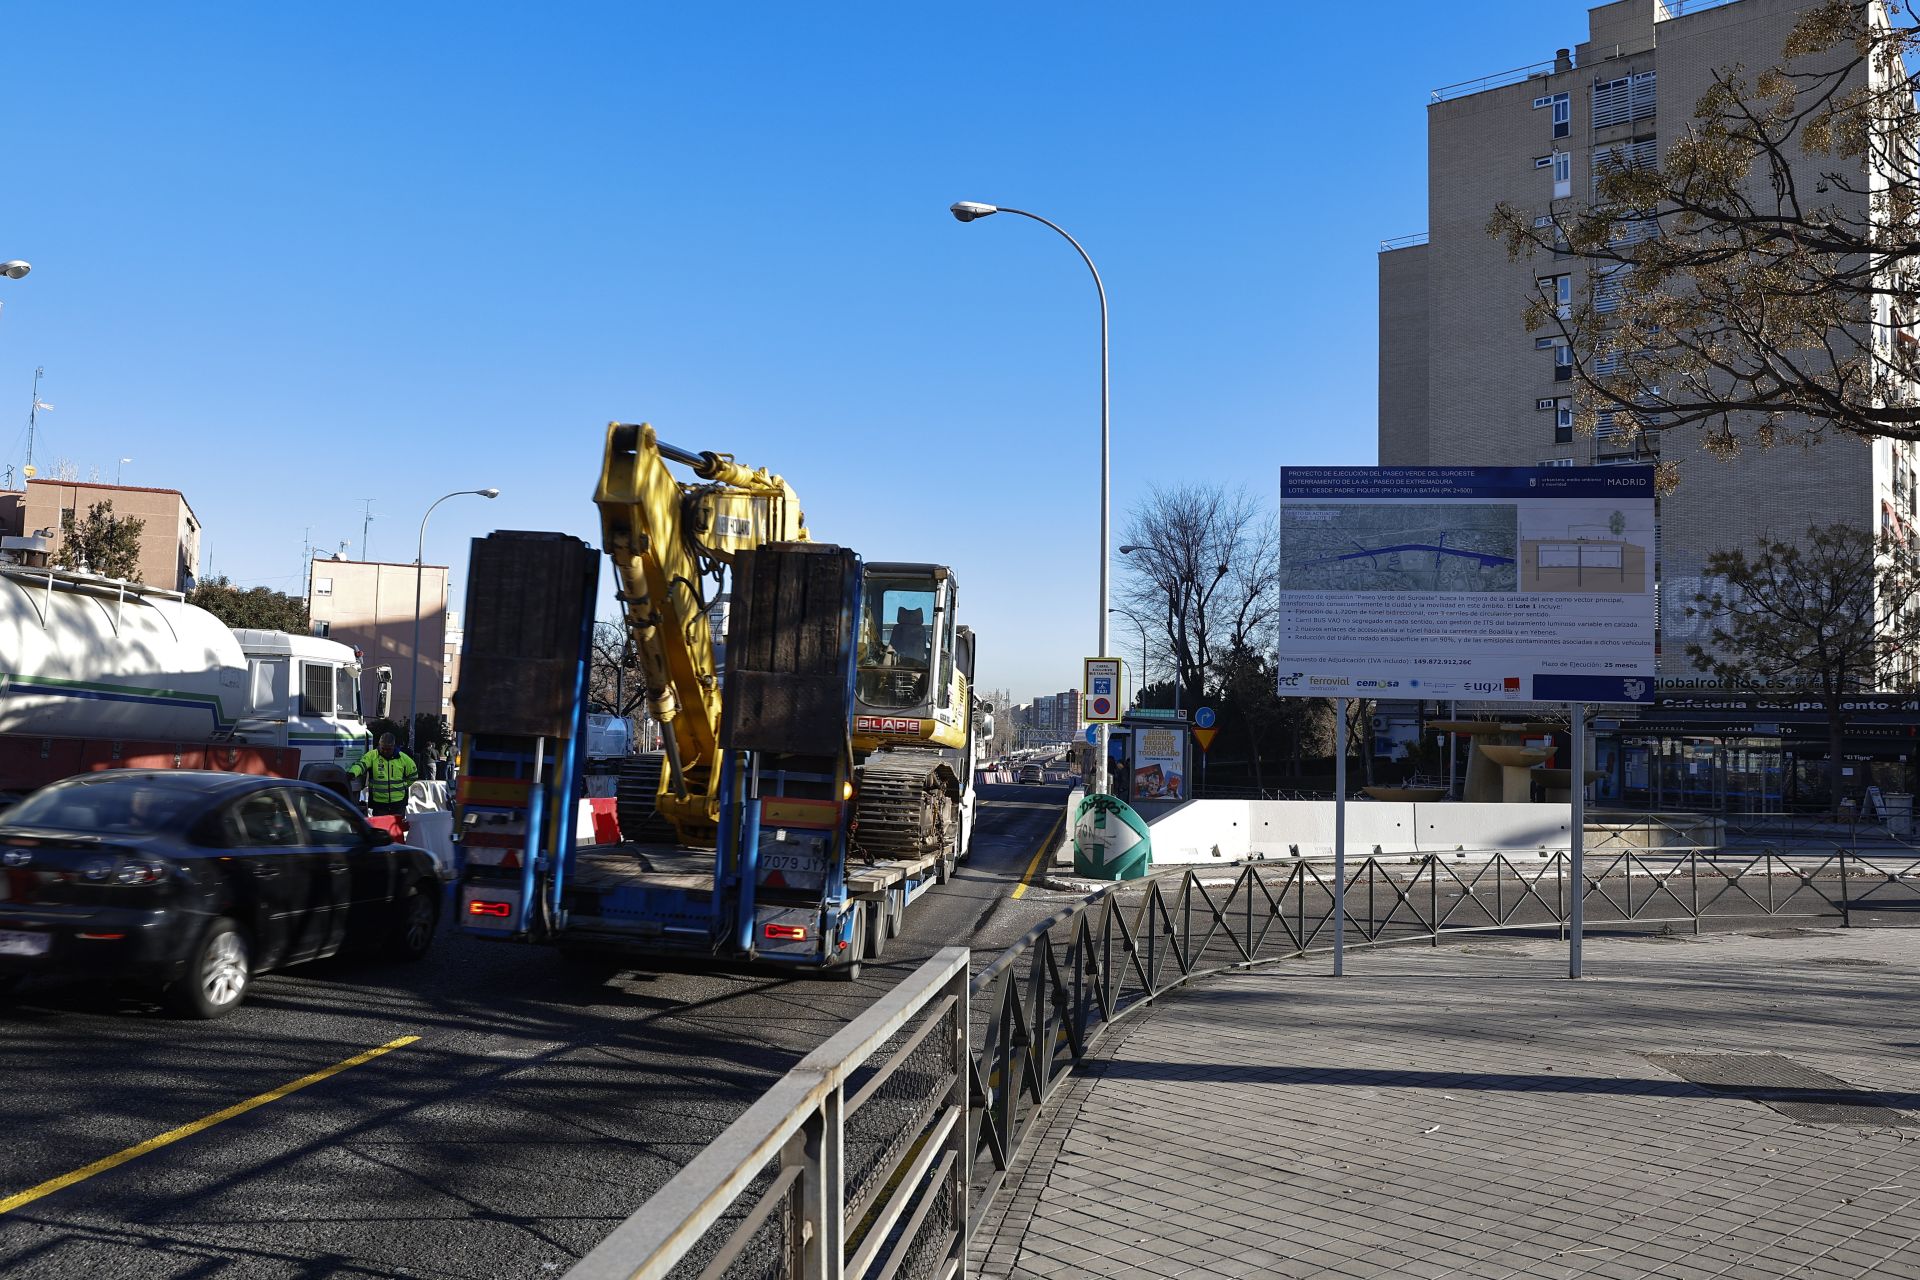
(290, 257)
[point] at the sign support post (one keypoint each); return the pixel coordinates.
(1339, 837)
(1576, 909)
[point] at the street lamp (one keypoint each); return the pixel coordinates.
(14, 269)
(419, 555)
(119, 470)
(972, 211)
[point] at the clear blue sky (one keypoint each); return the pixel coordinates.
(289, 257)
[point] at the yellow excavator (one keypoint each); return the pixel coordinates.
(916, 732)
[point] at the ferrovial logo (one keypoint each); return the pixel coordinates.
(1327, 682)
(1292, 681)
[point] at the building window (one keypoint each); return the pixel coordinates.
(1560, 290)
(322, 628)
(1563, 420)
(1556, 462)
(323, 586)
(1562, 362)
(1618, 101)
(1562, 115)
(1609, 288)
(1562, 174)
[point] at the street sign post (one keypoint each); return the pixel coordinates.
(1100, 694)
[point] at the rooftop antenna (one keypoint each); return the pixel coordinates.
(363, 527)
(33, 414)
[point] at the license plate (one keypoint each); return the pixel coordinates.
(794, 863)
(15, 942)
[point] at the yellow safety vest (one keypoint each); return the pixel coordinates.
(391, 778)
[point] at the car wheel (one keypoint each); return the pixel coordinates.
(217, 976)
(418, 915)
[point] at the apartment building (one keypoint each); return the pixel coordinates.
(169, 542)
(370, 604)
(1462, 381)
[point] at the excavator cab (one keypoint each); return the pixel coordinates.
(913, 667)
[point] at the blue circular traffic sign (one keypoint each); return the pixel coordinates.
(1204, 717)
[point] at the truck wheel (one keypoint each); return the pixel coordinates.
(415, 917)
(896, 911)
(218, 974)
(848, 970)
(877, 918)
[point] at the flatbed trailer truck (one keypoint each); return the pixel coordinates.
(785, 883)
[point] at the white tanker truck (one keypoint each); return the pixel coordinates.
(96, 673)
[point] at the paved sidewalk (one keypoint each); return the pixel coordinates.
(1468, 1111)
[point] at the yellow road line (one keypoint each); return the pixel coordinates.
(171, 1136)
(1046, 847)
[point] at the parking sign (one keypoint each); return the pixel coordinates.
(1100, 694)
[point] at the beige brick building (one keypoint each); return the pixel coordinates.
(169, 544)
(369, 604)
(1462, 381)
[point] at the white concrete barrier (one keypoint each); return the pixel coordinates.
(1225, 830)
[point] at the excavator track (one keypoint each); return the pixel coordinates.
(637, 799)
(904, 805)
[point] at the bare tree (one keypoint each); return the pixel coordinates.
(1203, 565)
(614, 682)
(1833, 613)
(1761, 281)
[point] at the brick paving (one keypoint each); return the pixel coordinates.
(1467, 1111)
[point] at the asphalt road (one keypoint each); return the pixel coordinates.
(539, 1106)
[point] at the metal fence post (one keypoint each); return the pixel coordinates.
(1433, 896)
(1846, 899)
(960, 1138)
(820, 1224)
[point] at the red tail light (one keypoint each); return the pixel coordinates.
(478, 908)
(786, 932)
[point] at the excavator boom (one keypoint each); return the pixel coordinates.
(665, 540)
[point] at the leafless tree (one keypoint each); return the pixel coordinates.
(614, 683)
(1202, 562)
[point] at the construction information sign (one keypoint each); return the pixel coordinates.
(1504, 583)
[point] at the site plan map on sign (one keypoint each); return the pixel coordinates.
(1412, 548)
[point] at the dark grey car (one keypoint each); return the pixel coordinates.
(193, 882)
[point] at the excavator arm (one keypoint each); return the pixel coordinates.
(666, 538)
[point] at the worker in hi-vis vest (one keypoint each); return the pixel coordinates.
(390, 771)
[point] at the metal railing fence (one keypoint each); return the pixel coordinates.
(799, 1186)
(773, 1195)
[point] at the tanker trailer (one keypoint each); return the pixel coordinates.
(96, 673)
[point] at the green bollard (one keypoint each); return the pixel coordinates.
(1110, 840)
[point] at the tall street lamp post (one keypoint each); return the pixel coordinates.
(419, 555)
(14, 269)
(970, 211)
(1118, 608)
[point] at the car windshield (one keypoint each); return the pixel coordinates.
(108, 804)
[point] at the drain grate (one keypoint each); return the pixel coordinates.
(1796, 1092)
